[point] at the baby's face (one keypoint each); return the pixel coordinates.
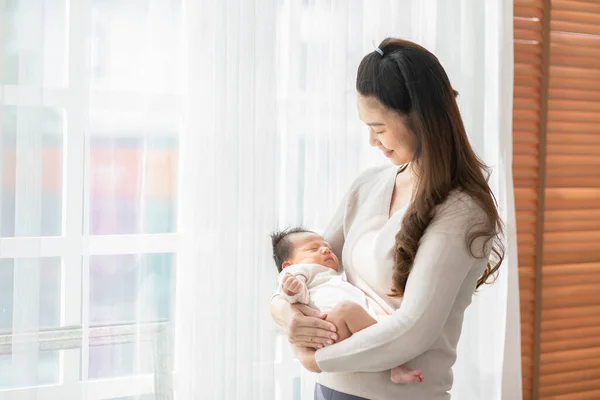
(310, 248)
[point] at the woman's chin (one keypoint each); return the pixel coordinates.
(395, 161)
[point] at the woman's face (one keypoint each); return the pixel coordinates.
(387, 130)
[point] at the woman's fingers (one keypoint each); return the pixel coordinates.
(311, 341)
(316, 317)
(309, 312)
(316, 339)
(308, 328)
(301, 324)
(310, 345)
(312, 335)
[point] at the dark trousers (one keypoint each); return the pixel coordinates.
(324, 393)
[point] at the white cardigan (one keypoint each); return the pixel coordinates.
(425, 325)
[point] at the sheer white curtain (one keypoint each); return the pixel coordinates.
(148, 147)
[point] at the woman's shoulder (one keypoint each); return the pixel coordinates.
(458, 212)
(371, 178)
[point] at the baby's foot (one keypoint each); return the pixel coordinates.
(401, 374)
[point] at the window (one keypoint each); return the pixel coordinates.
(90, 119)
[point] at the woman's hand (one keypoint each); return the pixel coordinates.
(307, 358)
(306, 327)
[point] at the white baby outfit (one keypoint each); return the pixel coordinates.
(324, 287)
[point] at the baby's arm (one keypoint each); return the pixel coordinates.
(294, 289)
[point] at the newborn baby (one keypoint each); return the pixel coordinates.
(309, 274)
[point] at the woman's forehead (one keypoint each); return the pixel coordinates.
(370, 110)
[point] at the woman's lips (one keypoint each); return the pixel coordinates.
(388, 153)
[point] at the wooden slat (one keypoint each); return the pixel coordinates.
(578, 254)
(572, 82)
(591, 373)
(556, 72)
(573, 94)
(579, 27)
(570, 344)
(586, 395)
(571, 40)
(570, 182)
(528, 12)
(584, 291)
(572, 225)
(573, 150)
(575, 5)
(569, 387)
(571, 269)
(567, 334)
(572, 199)
(573, 161)
(585, 63)
(532, 71)
(573, 299)
(522, 25)
(529, 3)
(562, 356)
(574, 51)
(576, 136)
(571, 116)
(527, 104)
(573, 105)
(524, 78)
(573, 322)
(576, 17)
(573, 365)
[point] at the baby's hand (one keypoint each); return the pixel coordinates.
(290, 284)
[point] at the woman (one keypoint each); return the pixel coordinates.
(418, 238)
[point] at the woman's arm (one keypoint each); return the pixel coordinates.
(305, 326)
(441, 266)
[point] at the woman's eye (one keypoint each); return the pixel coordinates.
(379, 133)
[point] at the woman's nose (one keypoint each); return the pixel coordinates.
(373, 138)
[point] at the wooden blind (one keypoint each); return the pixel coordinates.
(556, 166)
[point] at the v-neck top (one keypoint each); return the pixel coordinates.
(423, 327)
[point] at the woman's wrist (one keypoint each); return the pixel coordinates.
(307, 358)
(281, 311)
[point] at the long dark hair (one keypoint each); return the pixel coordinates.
(410, 80)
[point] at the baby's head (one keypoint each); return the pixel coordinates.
(301, 246)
